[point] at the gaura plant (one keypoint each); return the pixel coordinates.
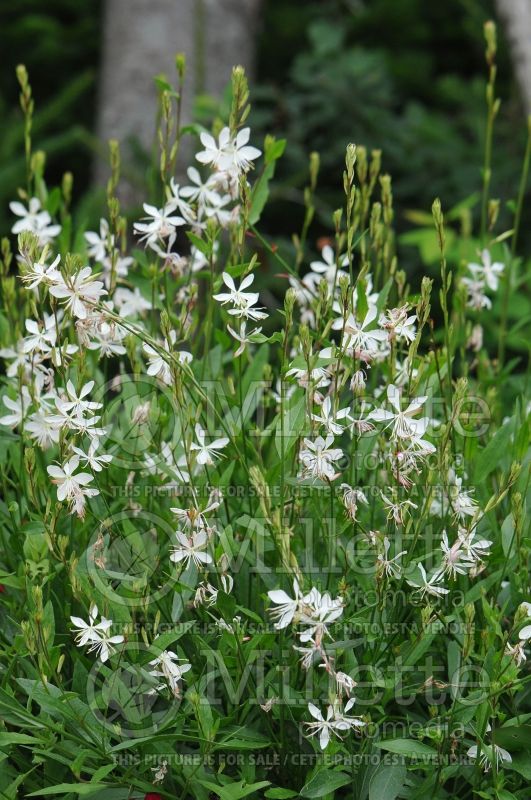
(263, 515)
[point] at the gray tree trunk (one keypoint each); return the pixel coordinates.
(516, 16)
(141, 39)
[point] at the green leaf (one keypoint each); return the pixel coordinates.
(508, 537)
(522, 764)
(407, 747)
(324, 782)
(164, 640)
(387, 782)
(513, 737)
(491, 455)
(234, 791)
(7, 738)
(12, 580)
(83, 789)
(273, 151)
(294, 418)
(261, 193)
(280, 794)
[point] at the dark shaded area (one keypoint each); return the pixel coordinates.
(407, 78)
(59, 42)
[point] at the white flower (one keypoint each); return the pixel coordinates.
(130, 302)
(206, 453)
(99, 243)
(237, 296)
(205, 594)
(160, 772)
(191, 549)
(79, 291)
(404, 427)
(429, 587)
(357, 336)
(397, 508)
(489, 753)
(158, 363)
(525, 633)
(35, 220)
(87, 631)
(286, 606)
(243, 337)
(476, 549)
(166, 666)
(454, 498)
(193, 518)
(183, 205)
(202, 192)
(318, 458)
(317, 612)
(476, 298)
(41, 338)
(311, 654)
(96, 635)
(351, 499)
(71, 486)
(361, 423)
(345, 684)
(335, 723)
(160, 222)
(399, 325)
(516, 653)
(487, 271)
(456, 561)
(389, 566)
(228, 154)
(95, 462)
(43, 427)
(316, 377)
(41, 273)
(328, 269)
(18, 407)
(76, 403)
(329, 420)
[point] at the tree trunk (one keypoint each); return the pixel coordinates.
(516, 16)
(141, 39)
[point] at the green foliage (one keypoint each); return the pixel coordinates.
(406, 78)
(60, 43)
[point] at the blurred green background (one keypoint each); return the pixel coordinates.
(407, 77)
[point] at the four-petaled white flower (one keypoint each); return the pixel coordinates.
(488, 754)
(160, 222)
(18, 408)
(166, 665)
(389, 566)
(318, 458)
(487, 272)
(404, 426)
(96, 634)
(429, 586)
(228, 153)
(72, 486)
(241, 300)
(361, 337)
(329, 419)
(287, 606)
(191, 548)
(91, 458)
(80, 292)
(206, 453)
(35, 220)
(335, 722)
